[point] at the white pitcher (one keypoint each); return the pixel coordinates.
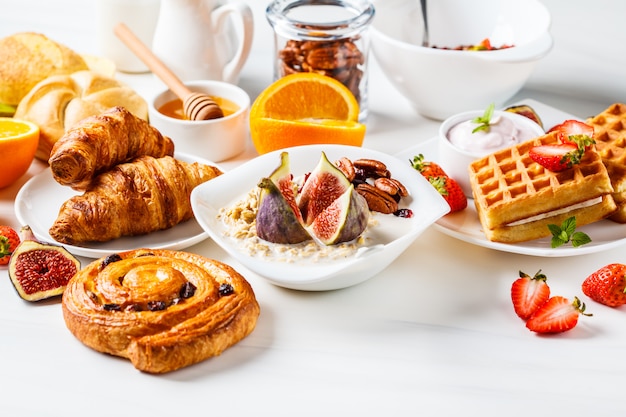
(194, 38)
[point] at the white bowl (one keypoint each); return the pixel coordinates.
(387, 239)
(456, 160)
(438, 82)
(216, 139)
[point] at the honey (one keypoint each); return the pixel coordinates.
(174, 108)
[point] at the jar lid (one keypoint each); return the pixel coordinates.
(319, 19)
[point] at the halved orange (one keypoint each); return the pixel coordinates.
(18, 144)
(305, 108)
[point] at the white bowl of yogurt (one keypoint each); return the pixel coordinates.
(460, 144)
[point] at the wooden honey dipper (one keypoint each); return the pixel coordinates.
(196, 106)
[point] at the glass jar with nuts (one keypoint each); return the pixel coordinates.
(329, 37)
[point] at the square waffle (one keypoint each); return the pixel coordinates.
(610, 136)
(516, 198)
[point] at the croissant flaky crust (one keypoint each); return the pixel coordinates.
(98, 143)
(135, 198)
(161, 309)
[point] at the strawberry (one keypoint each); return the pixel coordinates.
(427, 168)
(570, 129)
(529, 293)
(556, 157)
(451, 192)
(556, 315)
(9, 239)
(607, 285)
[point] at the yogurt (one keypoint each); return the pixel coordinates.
(501, 133)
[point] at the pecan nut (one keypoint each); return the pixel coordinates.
(346, 166)
(377, 200)
(372, 168)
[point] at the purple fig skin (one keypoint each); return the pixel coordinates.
(276, 222)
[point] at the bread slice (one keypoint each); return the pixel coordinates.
(516, 198)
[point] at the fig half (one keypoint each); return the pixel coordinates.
(343, 220)
(38, 270)
(278, 218)
(323, 186)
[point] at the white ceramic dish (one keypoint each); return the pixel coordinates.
(439, 83)
(389, 238)
(465, 225)
(38, 201)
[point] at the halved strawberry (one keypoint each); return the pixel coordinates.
(571, 128)
(556, 157)
(529, 293)
(558, 314)
(607, 285)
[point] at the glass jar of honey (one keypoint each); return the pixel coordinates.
(328, 37)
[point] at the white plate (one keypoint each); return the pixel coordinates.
(465, 225)
(386, 240)
(37, 205)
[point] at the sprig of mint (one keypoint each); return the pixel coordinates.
(566, 233)
(484, 120)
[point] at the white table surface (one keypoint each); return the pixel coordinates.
(433, 334)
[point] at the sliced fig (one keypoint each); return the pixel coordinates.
(341, 221)
(526, 111)
(39, 270)
(323, 186)
(276, 219)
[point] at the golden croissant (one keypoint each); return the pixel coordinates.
(138, 197)
(161, 309)
(98, 143)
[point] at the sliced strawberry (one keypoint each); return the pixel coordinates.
(451, 192)
(529, 293)
(558, 314)
(556, 157)
(607, 285)
(572, 128)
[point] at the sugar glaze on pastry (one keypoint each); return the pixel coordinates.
(161, 309)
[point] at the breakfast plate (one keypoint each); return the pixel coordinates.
(324, 267)
(38, 201)
(465, 225)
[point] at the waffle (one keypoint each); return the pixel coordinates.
(610, 136)
(510, 189)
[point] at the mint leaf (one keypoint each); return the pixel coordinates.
(484, 120)
(566, 232)
(579, 239)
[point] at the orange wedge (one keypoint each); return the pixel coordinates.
(18, 143)
(305, 108)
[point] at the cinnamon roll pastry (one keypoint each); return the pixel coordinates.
(163, 310)
(98, 143)
(135, 198)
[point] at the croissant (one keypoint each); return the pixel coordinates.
(161, 309)
(98, 143)
(138, 197)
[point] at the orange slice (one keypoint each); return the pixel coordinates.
(305, 108)
(18, 144)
